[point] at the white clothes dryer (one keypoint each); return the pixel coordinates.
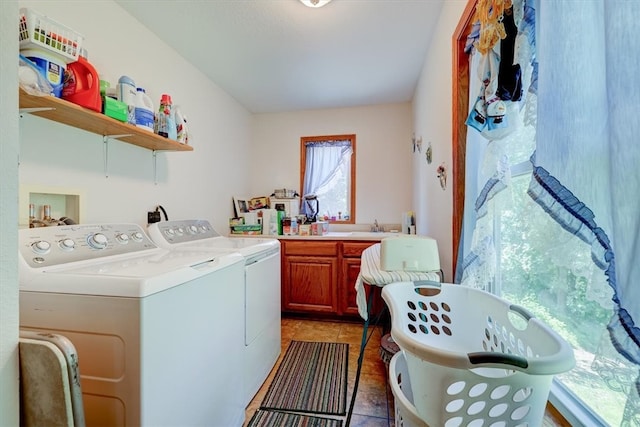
(262, 329)
(158, 333)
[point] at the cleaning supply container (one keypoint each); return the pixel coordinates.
(127, 93)
(82, 84)
(406, 414)
(49, 44)
(144, 111)
(166, 122)
(472, 356)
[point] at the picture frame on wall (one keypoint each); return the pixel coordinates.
(240, 205)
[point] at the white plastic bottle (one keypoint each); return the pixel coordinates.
(127, 94)
(144, 110)
(181, 126)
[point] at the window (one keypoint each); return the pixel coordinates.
(328, 172)
(522, 254)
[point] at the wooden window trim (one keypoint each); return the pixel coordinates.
(460, 107)
(352, 178)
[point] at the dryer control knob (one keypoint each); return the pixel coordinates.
(137, 236)
(179, 231)
(192, 229)
(41, 247)
(98, 241)
(122, 238)
(67, 244)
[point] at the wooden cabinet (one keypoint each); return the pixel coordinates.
(309, 275)
(68, 113)
(318, 277)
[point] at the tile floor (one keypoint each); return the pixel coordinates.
(374, 401)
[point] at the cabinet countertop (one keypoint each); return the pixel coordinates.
(332, 235)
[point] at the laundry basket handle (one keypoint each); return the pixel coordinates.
(493, 358)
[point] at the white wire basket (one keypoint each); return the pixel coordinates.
(405, 413)
(39, 31)
(474, 359)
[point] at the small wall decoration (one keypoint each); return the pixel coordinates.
(429, 154)
(442, 175)
(417, 144)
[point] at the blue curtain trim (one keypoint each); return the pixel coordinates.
(575, 217)
(490, 189)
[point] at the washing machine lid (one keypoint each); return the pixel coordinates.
(134, 276)
(108, 259)
(199, 234)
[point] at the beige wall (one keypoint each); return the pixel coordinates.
(383, 154)
(432, 122)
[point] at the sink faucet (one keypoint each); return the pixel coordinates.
(375, 227)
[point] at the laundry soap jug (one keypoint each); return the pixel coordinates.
(144, 111)
(82, 84)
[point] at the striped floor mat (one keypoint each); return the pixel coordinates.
(282, 419)
(312, 378)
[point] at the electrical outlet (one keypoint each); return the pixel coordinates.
(153, 217)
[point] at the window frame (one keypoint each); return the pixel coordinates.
(352, 178)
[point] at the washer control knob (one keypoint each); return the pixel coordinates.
(122, 238)
(67, 244)
(98, 241)
(179, 231)
(169, 232)
(137, 236)
(41, 247)
(192, 229)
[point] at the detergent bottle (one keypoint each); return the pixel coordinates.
(144, 111)
(82, 84)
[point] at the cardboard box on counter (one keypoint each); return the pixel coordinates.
(304, 230)
(319, 228)
(246, 229)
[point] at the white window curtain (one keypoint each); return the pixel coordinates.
(587, 161)
(581, 110)
(323, 161)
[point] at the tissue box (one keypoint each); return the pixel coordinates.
(319, 228)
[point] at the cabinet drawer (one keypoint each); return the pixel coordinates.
(354, 249)
(311, 248)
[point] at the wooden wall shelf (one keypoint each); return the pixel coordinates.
(68, 113)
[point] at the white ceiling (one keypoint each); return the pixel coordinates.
(279, 55)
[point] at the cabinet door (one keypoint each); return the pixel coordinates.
(308, 284)
(350, 271)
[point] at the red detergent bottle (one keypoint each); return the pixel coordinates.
(82, 84)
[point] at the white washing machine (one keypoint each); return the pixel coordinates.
(158, 333)
(262, 330)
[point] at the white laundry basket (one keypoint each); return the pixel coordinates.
(405, 411)
(473, 358)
